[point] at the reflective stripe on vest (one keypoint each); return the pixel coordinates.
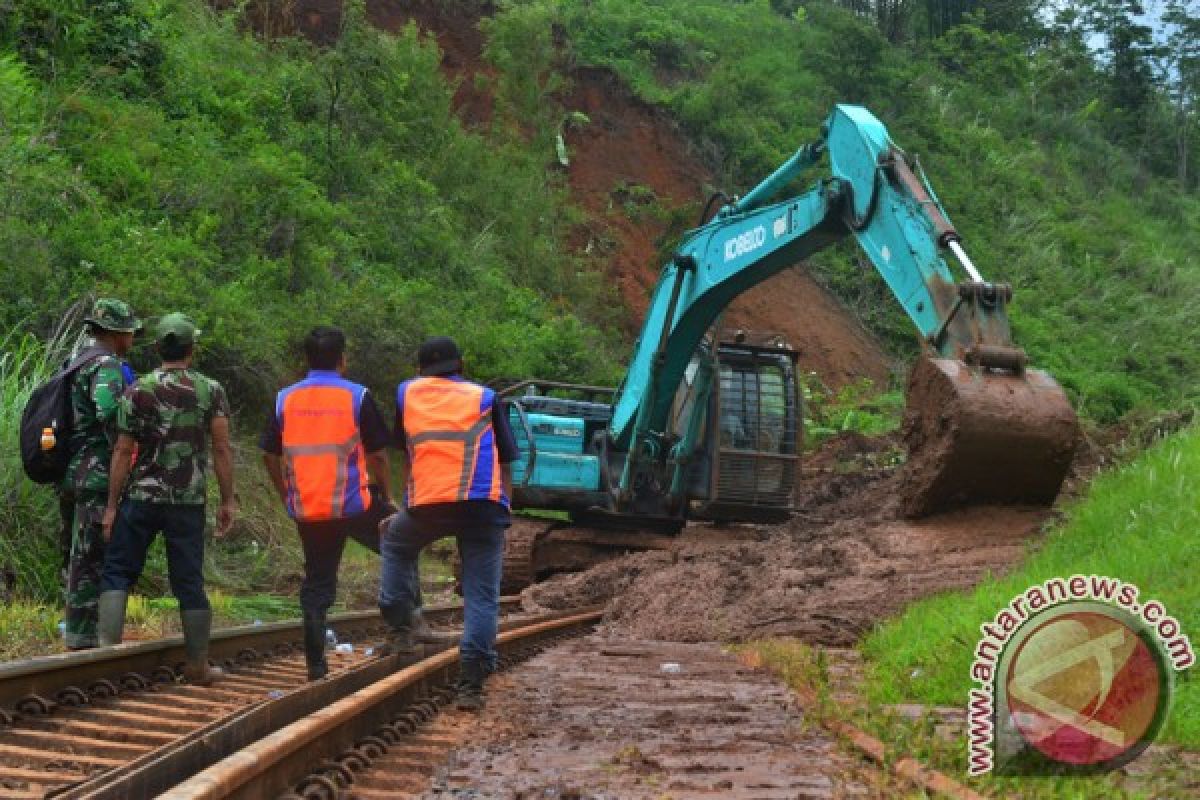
(451, 445)
(324, 462)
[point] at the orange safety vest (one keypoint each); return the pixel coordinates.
(324, 462)
(452, 453)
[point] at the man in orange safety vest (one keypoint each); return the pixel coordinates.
(325, 448)
(457, 449)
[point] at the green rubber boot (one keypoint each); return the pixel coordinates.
(197, 626)
(111, 612)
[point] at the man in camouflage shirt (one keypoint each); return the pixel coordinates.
(95, 393)
(169, 415)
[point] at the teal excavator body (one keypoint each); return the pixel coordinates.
(667, 443)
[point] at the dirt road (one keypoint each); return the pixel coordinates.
(847, 562)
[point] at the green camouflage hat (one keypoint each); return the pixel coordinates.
(177, 326)
(113, 315)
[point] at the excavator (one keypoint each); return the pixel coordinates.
(707, 428)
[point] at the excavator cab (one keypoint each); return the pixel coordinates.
(749, 456)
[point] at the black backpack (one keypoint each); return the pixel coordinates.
(50, 407)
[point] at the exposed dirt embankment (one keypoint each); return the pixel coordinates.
(630, 170)
(630, 147)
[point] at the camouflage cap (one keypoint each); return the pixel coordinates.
(113, 315)
(177, 326)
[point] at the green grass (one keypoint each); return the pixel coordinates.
(28, 512)
(858, 407)
(30, 628)
(802, 666)
(1138, 523)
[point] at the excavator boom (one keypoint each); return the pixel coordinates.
(976, 407)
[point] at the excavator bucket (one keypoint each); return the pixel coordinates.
(978, 436)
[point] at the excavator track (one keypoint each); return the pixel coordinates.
(520, 543)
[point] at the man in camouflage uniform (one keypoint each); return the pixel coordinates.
(95, 393)
(169, 415)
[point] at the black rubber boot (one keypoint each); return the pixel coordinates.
(471, 675)
(402, 640)
(314, 646)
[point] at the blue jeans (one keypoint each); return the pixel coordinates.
(480, 538)
(183, 533)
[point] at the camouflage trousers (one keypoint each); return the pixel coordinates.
(84, 569)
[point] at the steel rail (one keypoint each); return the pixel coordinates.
(45, 677)
(89, 719)
(275, 762)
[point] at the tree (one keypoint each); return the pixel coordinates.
(1180, 69)
(998, 16)
(1129, 52)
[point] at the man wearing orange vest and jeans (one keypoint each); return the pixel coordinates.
(458, 448)
(325, 448)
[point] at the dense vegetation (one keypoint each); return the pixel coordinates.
(1068, 172)
(155, 151)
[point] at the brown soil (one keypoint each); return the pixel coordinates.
(598, 718)
(847, 561)
(627, 143)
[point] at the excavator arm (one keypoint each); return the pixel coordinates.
(881, 199)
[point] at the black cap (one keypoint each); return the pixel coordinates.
(439, 356)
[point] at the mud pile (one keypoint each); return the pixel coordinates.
(825, 583)
(847, 561)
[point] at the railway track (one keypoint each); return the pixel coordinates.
(116, 722)
(585, 716)
(377, 729)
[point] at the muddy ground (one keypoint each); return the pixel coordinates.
(603, 719)
(843, 564)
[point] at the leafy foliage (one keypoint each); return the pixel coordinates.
(29, 517)
(266, 189)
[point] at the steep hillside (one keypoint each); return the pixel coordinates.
(637, 178)
(163, 155)
(1050, 180)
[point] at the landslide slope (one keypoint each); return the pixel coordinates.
(633, 172)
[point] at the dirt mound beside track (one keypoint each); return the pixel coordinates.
(827, 576)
